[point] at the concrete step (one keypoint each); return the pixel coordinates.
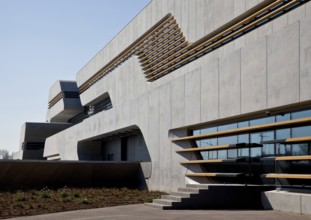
(181, 194)
(197, 186)
(163, 201)
(190, 190)
(171, 197)
(158, 206)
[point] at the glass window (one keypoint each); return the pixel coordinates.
(212, 154)
(261, 121)
(299, 149)
(243, 152)
(198, 142)
(283, 150)
(196, 132)
(284, 117)
(301, 131)
(262, 136)
(222, 154)
(283, 133)
(227, 127)
(209, 142)
(302, 114)
(243, 124)
(243, 138)
(228, 140)
(209, 130)
(204, 155)
(232, 153)
(256, 152)
(268, 150)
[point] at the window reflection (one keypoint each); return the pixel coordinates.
(209, 142)
(272, 143)
(228, 140)
(301, 114)
(261, 121)
(233, 153)
(227, 127)
(300, 149)
(268, 150)
(283, 133)
(301, 131)
(284, 117)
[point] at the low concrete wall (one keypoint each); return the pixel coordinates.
(287, 201)
(70, 173)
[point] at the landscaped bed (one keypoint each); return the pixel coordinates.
(34, 202)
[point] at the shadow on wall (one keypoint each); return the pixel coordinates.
(125, 145)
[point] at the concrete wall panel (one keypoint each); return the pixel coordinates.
(193, 97)
(178, 102)
(305, 59)
(230, 81)
(209, 91)
(254, 76)
(297, 14)
(165, 151)
(239, 7)
(280, 22)
(223, 12)
(308, 8)
(184, 25)
(208, 16)
(283, 66)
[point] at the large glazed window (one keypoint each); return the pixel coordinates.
(269, 150)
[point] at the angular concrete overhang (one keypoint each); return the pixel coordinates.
(38, 132)
(64, 101)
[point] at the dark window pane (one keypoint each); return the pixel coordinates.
(282, 149)
(299, 149)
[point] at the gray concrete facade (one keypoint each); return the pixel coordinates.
(266, 69)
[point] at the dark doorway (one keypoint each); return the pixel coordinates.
(124, 149)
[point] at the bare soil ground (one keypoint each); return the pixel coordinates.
(43, 201)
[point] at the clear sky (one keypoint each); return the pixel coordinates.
(42, 41)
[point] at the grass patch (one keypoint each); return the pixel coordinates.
(45, 200)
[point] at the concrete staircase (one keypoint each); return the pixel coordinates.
(212, 196)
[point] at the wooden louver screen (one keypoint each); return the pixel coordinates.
(164, 48)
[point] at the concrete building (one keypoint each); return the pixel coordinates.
(204, 91)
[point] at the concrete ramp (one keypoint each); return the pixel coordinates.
(70, 173)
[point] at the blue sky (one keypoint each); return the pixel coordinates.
(42, 41)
